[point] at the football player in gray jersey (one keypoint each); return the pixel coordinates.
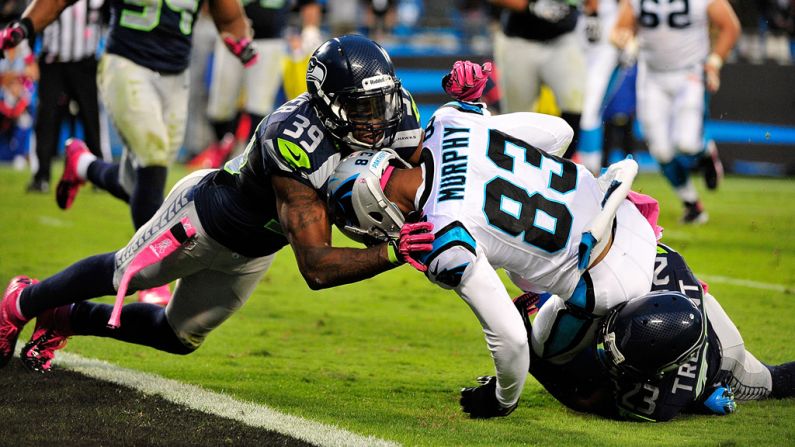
(218, 231)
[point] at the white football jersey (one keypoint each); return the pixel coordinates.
(673, 34)
(499, 196)
(499, 190)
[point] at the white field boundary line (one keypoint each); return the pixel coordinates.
(197, 398)
(747, 283)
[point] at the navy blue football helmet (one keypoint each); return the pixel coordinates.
(355, 91)
(652, 335)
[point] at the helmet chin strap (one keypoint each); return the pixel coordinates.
(386, 175)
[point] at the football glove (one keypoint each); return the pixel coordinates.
(14, 33)
(414, 238)
(466, 80)
(721, 401)
(242, 49)
(480, 402)
(712, 71)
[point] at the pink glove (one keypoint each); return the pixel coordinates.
(242, 49)
(414, 238)
(14, 33)
(466, 80)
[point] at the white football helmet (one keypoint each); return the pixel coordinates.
(356, 199)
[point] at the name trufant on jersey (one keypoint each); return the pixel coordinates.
(454, 165)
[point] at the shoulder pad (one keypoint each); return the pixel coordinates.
(409, 133)
(294, 139)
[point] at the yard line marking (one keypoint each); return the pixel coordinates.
(748, 283)
(249, 413)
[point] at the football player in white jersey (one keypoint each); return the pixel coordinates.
(500, 196)
(601, 59)
(674, 64)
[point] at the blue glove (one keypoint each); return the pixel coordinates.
(721, 401)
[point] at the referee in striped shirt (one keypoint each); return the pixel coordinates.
(68, 71)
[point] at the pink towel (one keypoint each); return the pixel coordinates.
(649, 208)
(164, 245)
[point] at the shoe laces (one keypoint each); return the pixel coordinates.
(40, 351)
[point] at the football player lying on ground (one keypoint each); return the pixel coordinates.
(218, 230)
(672, 351)
(498, 195)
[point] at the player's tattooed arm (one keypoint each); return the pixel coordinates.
(306, 224)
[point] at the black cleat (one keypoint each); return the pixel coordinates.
(694, 214)
(713, 168)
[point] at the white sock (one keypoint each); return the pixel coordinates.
(82, 164)
(687, 192)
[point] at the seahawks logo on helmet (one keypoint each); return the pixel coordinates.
(316, 73)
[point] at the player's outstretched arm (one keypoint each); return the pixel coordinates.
(623, 33)
(36, 17)
(306, 224)
(721, 16)
(233, 26)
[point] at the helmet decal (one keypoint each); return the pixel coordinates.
(378, 82)
(316, 73)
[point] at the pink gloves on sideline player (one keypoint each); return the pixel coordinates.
(242, 49)
(466, 80)
(14, 33)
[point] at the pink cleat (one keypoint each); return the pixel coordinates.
(11, 322)
(51, 333)
(156, 295)
(70, 182)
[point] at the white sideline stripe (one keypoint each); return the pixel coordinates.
(747, 283)
(191, 396)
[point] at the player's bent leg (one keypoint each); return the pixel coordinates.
(560, 331)
(203, 301)
(147, 194)
(106, 176)
(141, 323)
(627, 270)
(519, 85)
(748, 378)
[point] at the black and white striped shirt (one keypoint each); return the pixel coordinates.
(75, 35)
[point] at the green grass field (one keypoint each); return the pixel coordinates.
(386, 357)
